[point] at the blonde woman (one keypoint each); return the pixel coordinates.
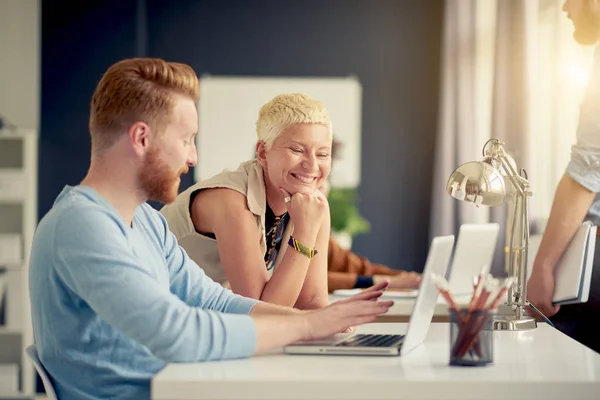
(263, 229)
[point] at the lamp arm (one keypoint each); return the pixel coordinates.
(511, 252)
(518, 268)
(519, 246)
(516, 179)
(522, 279)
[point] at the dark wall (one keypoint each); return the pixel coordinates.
(392, 46)
(79, 41)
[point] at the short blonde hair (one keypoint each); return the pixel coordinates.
(286, 110)
(138, 89)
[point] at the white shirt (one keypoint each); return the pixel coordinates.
(584, 166)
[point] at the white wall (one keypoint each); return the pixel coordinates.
(20, 62)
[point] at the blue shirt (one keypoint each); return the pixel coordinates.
(584, 166)
(112, 303)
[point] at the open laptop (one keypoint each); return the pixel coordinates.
(473, 254)
(437, 262)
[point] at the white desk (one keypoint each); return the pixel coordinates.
(538, 364)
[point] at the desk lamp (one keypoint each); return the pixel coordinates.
(488, 183)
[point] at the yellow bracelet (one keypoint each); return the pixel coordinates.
(302, 249)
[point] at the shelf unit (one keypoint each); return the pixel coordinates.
(18, 221)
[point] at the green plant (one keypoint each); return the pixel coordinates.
(345, 216)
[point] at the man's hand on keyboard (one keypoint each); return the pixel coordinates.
(367, 294)
(359, 309)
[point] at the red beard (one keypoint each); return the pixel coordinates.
(157, 180)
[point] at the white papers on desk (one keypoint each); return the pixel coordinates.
(573, 273)
(390, 293)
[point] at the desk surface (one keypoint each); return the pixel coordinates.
(539, 364)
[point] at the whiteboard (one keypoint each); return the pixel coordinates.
(228, 109)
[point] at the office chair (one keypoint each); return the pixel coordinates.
(32, 353)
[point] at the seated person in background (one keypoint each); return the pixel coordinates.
(263, 229)
(113, 297)
(348, 270)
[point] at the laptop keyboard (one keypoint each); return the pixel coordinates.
(364, 340)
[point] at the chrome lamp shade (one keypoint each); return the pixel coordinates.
(477, 182)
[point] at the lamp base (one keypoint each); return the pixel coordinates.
(512, 323)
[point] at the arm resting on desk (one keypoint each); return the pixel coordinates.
(276, 326)
(190, 283)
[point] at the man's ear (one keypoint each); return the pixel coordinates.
(139, 134)
(261, 153)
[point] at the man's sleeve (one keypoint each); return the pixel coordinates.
(94, 259)
(190, 283)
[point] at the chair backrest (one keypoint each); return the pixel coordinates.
(32, 353)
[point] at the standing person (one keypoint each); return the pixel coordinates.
(113, 297)
(576, 198)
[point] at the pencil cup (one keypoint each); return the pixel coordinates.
(471, 339)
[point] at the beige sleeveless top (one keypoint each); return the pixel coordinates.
(248, 179)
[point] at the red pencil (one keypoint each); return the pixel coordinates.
(494, 304)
